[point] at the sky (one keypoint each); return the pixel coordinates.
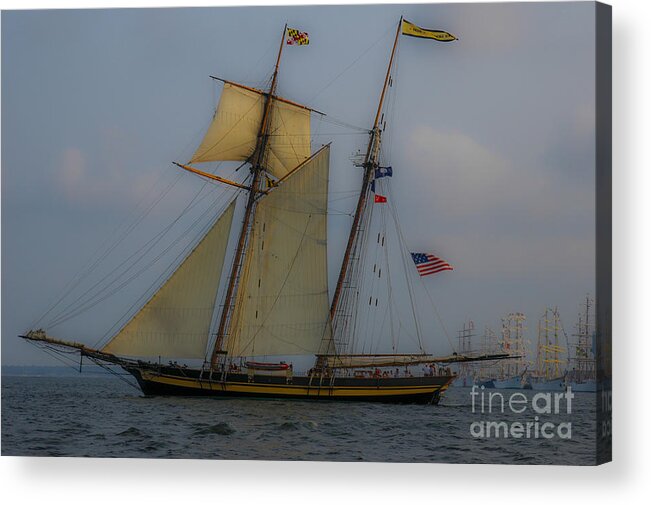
(491, 139)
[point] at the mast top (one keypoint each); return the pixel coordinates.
(387, 77)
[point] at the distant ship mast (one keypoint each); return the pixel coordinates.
(584, 360)
(548, 356)
(465, 337)
(513, 343)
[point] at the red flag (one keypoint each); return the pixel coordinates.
(380, 199)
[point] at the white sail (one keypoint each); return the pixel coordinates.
(233, 133)
(289, 140)
(282, 303)
(175, 322)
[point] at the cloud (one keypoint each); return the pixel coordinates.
(465, 178)
(491, 217)
(584, 120)
(73, 167)
(491, 28)
(532, 257)
(108, 180)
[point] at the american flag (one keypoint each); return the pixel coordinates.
(428, 264)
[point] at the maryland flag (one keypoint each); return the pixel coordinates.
(415, 31)
(296, 38)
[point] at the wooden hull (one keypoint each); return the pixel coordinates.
(191, 382)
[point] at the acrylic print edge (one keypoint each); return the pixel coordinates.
(603, 209)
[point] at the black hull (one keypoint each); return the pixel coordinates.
(175, 381)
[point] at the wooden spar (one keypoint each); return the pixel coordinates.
(256, 168)
(273, 184)
(390, 360)
(299, 166)
(370, 164)
(40, 337)
(214, 177)
(275, 97)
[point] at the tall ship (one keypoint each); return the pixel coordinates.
(551, 355)
(512, 371)
(465, 337)
(487, 371)
(582, 376)
(275, 301)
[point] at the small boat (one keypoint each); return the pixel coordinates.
(487, 384)
(557, 384)
(588, 386)
(258, 365)
(508, 383)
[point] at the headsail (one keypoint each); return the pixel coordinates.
(175, 322)
(233, 133)
(282, 304)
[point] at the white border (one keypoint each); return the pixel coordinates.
(627, 479)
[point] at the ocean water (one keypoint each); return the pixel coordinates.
(102, 416)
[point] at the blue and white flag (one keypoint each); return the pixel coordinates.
(381, 172)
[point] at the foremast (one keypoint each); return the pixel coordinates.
(249, 213)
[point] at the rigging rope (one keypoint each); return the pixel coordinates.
(151, 243)
(164, 276)
(75, 308)
(115, 240)
(388, 30)
(91, 264)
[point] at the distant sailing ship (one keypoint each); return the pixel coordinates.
(550, 371)
(276, 300)
(466, 375)
(512, 372)
(582, 377)
(488, 370)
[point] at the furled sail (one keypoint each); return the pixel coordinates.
(175, 322)
(233, 133)
(361, 361)
(282, 303)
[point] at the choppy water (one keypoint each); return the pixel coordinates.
(103, 417)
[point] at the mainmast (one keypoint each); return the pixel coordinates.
(256, 169)
(371, 162)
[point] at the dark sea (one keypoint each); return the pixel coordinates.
(102, 416)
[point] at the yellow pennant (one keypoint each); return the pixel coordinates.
(415, 31)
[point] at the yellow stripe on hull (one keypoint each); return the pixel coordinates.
(315, 390)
